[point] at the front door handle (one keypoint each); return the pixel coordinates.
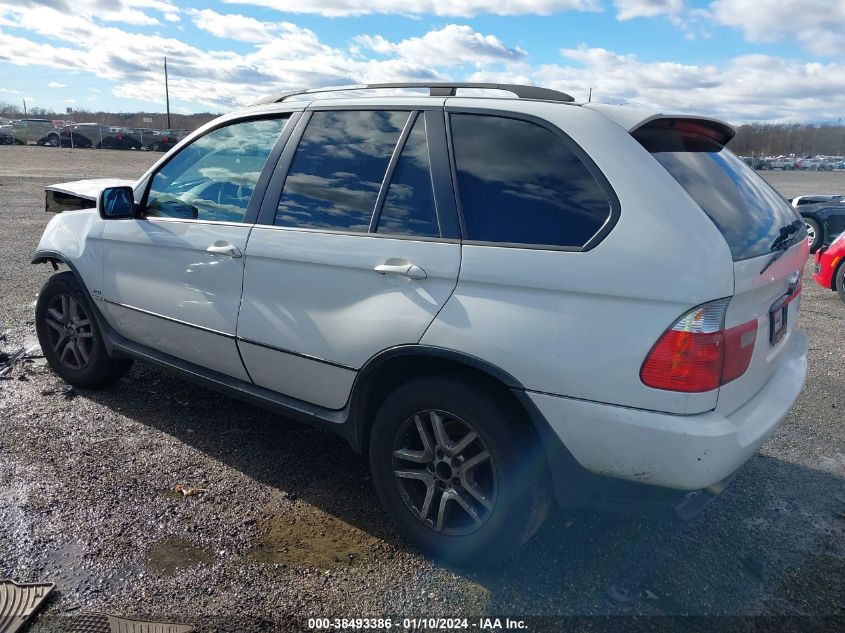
(224, 248)
(411, 271)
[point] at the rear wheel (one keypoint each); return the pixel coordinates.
(814, 234)
(457, 476)
(54, 141)
(839, 280)
(69, 336)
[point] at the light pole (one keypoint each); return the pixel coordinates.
(167, 93)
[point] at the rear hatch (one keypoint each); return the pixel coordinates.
(765, 234)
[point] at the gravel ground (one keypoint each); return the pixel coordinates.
(289, 526)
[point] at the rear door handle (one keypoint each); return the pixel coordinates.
(224, 248)
(411, 271)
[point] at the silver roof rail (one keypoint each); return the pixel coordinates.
(435, 89)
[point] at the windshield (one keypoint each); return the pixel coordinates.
(745, 208)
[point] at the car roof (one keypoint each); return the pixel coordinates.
(628, 116)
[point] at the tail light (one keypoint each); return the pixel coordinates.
(697, 353)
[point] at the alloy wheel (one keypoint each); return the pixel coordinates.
(70, 331)
(444, 472)
(811, 233)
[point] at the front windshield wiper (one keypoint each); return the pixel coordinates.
(783, 242)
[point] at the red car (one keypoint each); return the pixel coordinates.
(829, 269)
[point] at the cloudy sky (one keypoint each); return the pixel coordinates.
(741, 60)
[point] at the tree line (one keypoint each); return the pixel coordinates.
(112, 119)
(801, 139)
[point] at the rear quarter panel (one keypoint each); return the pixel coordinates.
(580, 324)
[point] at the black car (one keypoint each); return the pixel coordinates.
(825, 221)
(79, 135)
(6, 137)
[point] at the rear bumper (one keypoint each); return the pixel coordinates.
(681, 452)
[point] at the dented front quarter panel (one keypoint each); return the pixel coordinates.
(76, 236)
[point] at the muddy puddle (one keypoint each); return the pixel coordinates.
(171, 554)
(310, 538)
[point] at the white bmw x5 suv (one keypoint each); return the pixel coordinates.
(501, 301)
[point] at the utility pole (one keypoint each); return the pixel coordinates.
(24, 107)
(590, 96)
(167, 93)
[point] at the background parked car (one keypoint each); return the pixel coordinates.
(6, 137)
(138, 137)
(78, 135)
(800, 201)
(121, 138)
(169, 138)
(783, 162)
(825, 221)
(829, 268)
(816, 164)
(757, 162)
(32, 131)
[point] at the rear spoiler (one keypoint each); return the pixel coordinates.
(713, 129)
(638, 119)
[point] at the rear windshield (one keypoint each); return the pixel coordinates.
(744, 207)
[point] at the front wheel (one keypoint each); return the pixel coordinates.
(70, 338)
(814, 234)
(54, 141)
(457, 470)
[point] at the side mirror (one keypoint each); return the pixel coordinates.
(116, 203)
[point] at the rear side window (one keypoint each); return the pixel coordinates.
(409, 204)
(335, 176)
(745, 208)
(521, 183)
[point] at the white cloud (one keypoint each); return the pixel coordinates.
(122, 11)
(818, 24)
(56, 84)
(456, 8)
(285, 56)
(233, 27)
(742, 89)
(456, 44)
(628, 9)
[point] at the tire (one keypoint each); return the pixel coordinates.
(510, 488)
(70, 337)
(839, 280)
(54, 141)
(814, 234)
(156, 147)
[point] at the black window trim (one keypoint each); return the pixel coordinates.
(259, 191)
(595, 172)
(444, 195)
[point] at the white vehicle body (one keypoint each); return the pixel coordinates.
(784, 162)
(304, 314)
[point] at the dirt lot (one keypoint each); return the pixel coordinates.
(290, 526)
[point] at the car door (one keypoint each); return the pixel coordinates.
(356, 250)
(172, 277)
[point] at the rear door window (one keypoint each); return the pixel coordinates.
(409, 204)
(745, 208)
(521, 183)
(338, 168)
